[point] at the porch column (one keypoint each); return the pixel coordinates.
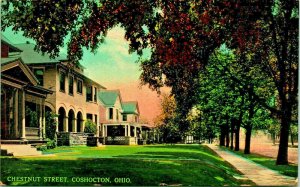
(23, 136)
(66, 128)
(16, 112)
(44, 119)
(40, 122)
(134, 131)
(125, 128)
(56, 122)
(83, 124)
(105, 130)
(102, 129)
(128, 130)
(97, 131)
(74, 124)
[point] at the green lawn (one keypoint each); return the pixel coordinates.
(288, 170)
(137, 165)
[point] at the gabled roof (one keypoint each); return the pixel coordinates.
(19, 63)
(6, 41)
(30, 56)
(130, 107)
(109, 97)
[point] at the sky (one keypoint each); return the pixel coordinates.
(114, 68)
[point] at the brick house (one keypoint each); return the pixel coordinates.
(74, 96)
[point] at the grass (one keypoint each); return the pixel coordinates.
(288, 170)
(143, 165)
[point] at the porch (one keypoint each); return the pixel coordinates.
(121, 134)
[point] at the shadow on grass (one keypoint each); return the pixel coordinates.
(140, 172)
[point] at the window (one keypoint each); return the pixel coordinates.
(79, 86)
(117, 111)
(39, 74)
(62, 77)
(89, 116)
(95, 94)
(89, 93)
(96, 119)
(136, 119)
(71, 85)
(124, 117)
(111, 113)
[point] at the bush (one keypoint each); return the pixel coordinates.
(41, 148)
(50, 125)
(90, 127)
(51, 144)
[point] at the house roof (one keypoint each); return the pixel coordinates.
(9, 43)
(30, 56)
(109, 97)
(130, 107)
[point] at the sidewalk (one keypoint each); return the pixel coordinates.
(257, 173)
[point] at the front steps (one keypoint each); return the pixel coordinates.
(19, 150)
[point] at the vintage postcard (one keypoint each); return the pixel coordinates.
(149, 93)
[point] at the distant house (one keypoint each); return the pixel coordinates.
(119, 120)
(20, 91)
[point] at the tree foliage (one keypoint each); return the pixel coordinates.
(181, 35)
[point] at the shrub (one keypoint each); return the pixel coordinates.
(90, 127)
(50, 125)
(51, 144)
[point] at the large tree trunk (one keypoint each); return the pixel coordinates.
(249, 123)
(227, 138)
(222, 137)
(227, 131)
(248, 139)
(231, 133)
(292, 140)
(282, 157)
(237, 136)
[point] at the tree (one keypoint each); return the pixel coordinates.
(181, 34)
(165, 122)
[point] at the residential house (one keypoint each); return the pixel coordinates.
(74, 96)
(20, 91)
(119, 119)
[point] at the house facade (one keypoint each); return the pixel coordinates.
(74, 96)
(119, 119)
(20, 91)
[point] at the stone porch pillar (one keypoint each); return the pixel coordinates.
(74, 124)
